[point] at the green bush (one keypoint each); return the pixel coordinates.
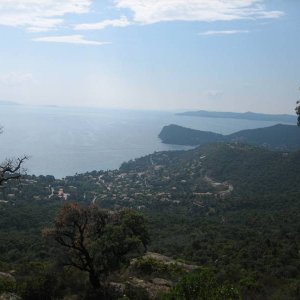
(201, 285)
(36, 281)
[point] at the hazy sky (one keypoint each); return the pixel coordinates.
(228, 55)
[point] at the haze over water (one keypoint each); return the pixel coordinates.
(63, 141)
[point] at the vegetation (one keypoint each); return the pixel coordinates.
(97, 241)
(201, 285)
(174, 134)
(231, 209)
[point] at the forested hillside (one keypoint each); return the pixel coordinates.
(278, 137)
(228, 207)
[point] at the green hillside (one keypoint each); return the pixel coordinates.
(231, 208)
(278, 137)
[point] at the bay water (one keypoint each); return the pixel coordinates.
(63, 141)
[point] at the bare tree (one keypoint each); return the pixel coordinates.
(297, 109)
(298, 112)
(11, 169)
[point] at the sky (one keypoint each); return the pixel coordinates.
(222, 55)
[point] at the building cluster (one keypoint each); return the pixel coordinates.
(159, 177)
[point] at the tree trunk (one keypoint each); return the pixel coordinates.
(94, 280)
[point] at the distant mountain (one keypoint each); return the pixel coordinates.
(244, 116)
(8, 103)
(278, 137)
(50, 105)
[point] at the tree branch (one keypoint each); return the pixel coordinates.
(11, 169)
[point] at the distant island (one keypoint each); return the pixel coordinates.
(278, 137)
(284, 118)
(8, 103)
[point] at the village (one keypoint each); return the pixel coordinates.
(155, 178)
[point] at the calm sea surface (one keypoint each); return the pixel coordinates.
(65, 141)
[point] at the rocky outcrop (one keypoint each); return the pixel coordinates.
(7, 283)
(9, 296)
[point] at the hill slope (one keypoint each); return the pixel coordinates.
(231, 207)
(174, 134)
(278, 137)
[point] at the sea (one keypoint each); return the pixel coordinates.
(63, 141)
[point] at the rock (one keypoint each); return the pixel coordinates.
(118, 287)
(7, 276)
(161, 281)
(9, 296)
(152, 289)
(71, 297)
(169, 260)
(7, 283)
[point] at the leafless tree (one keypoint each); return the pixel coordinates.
(298, 112)
(297, 109)
(11, 169)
